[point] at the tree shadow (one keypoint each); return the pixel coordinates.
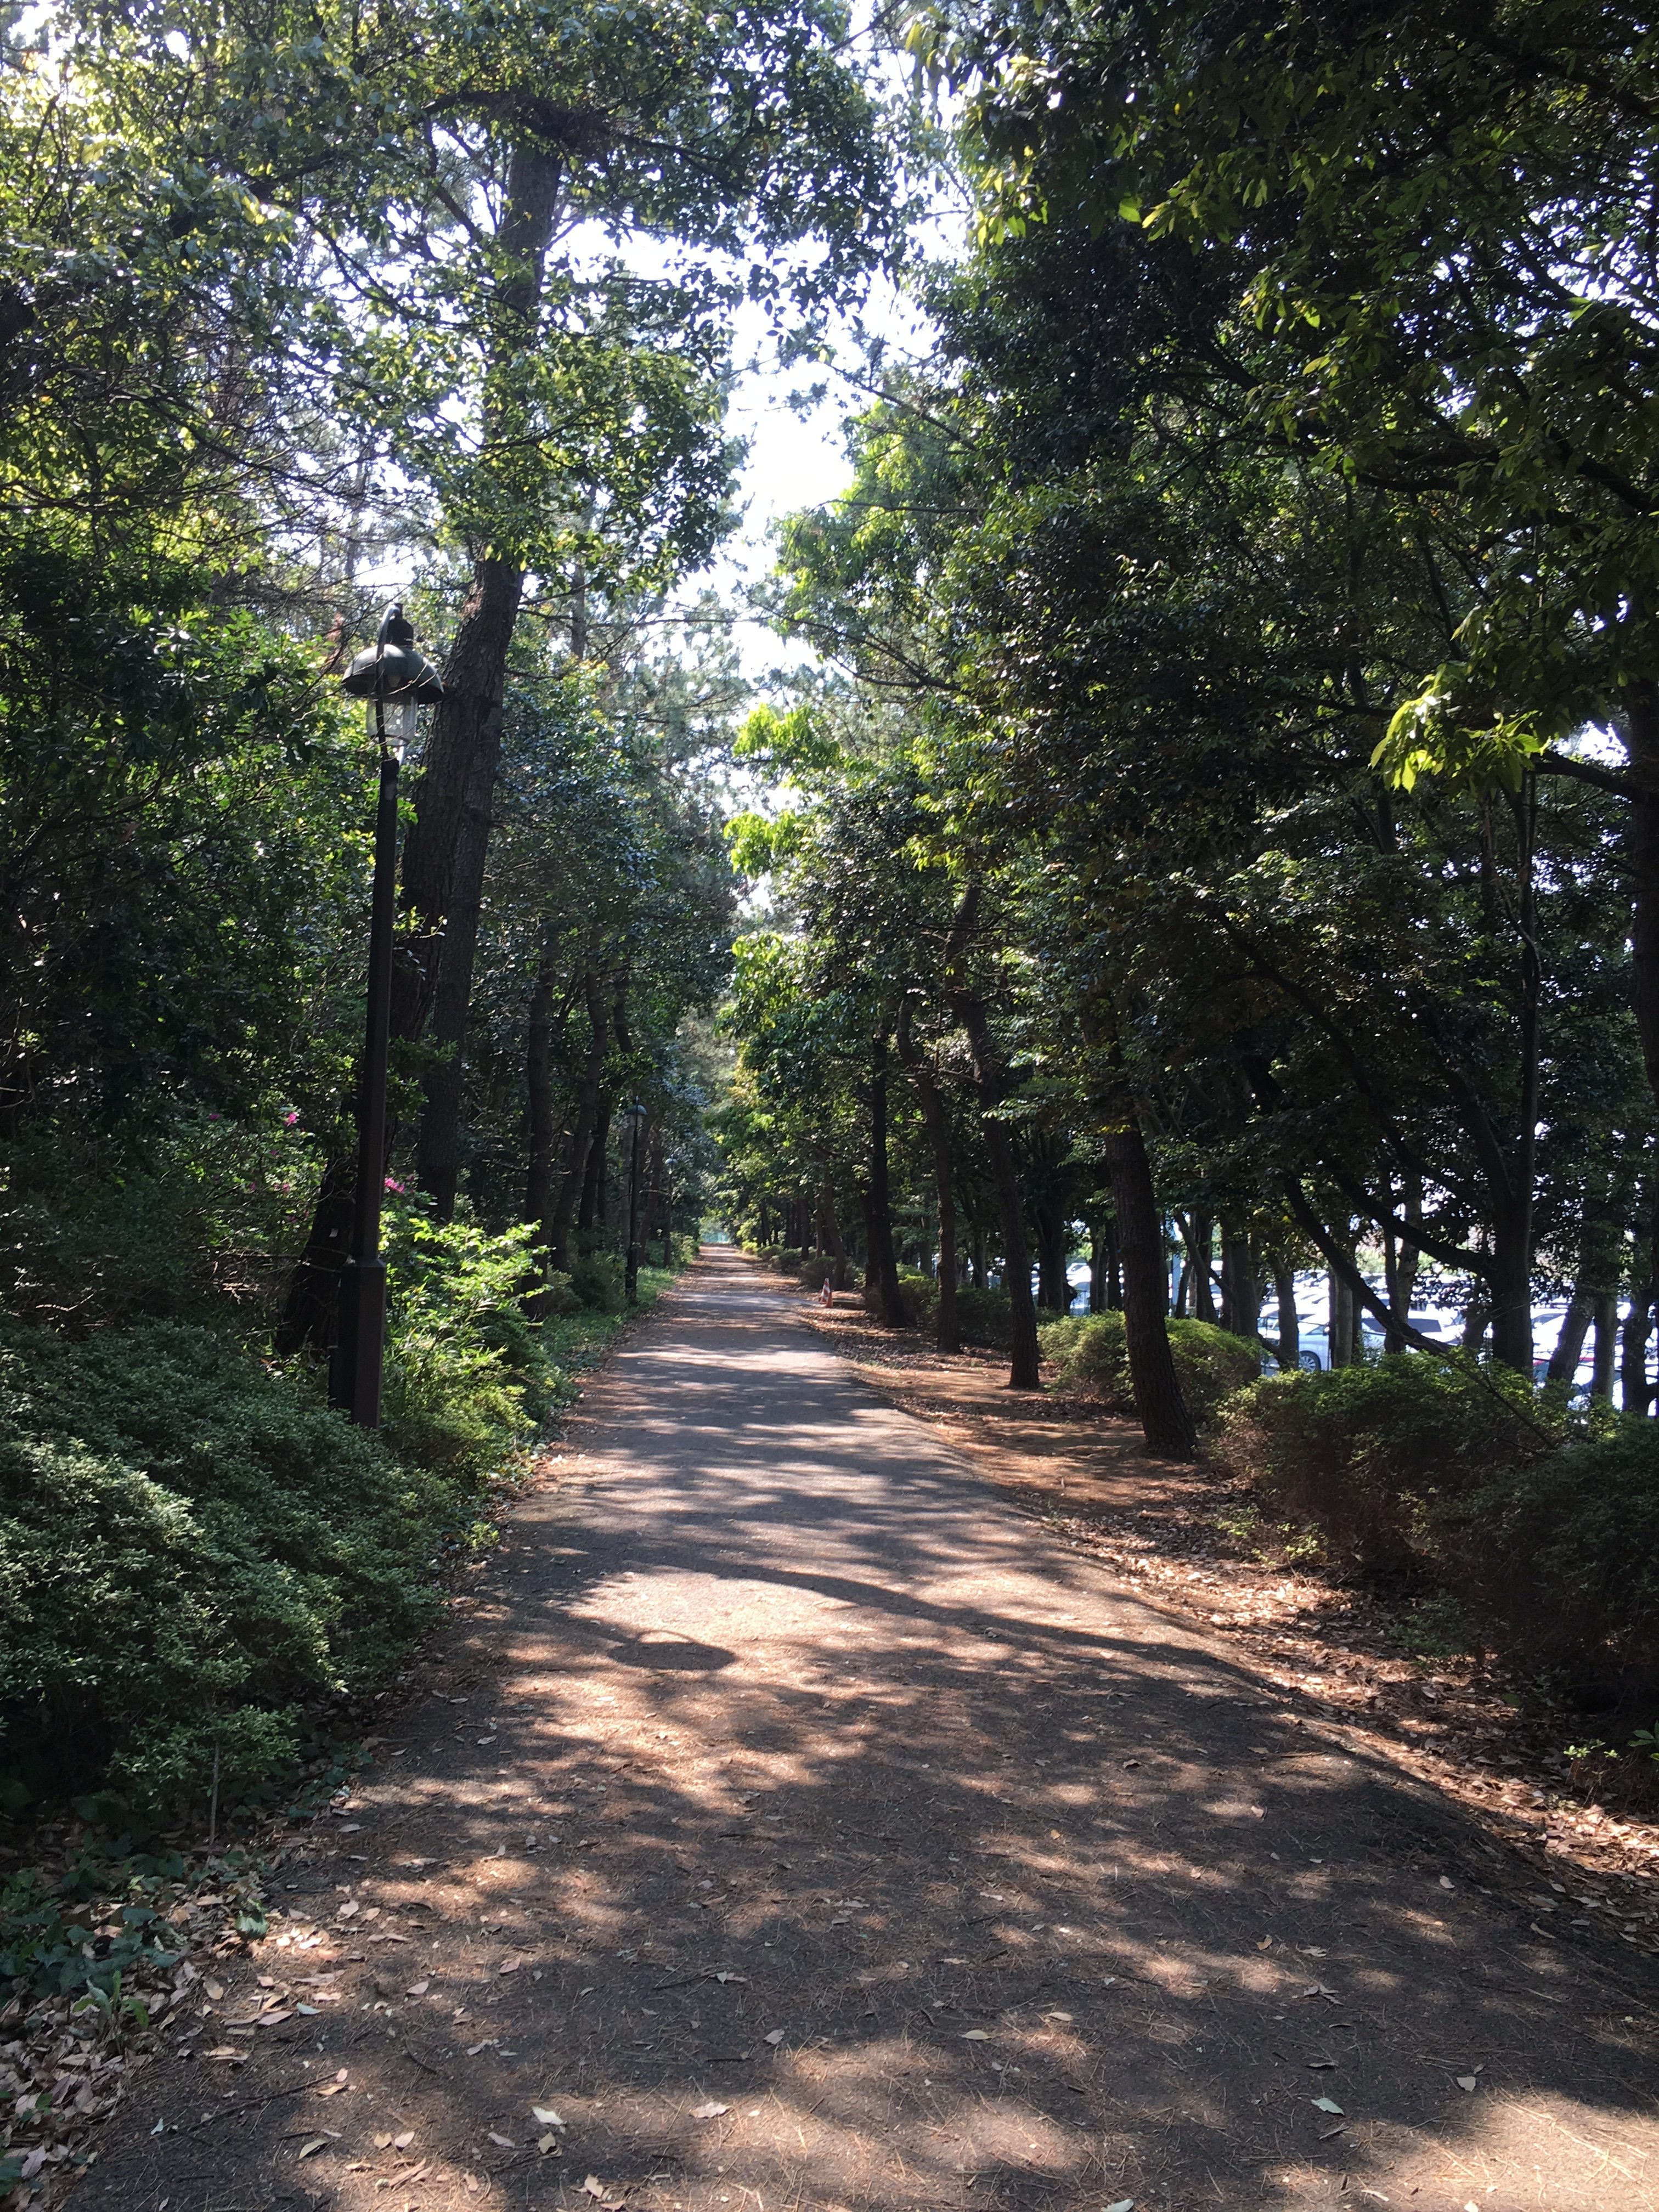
(802, 1781)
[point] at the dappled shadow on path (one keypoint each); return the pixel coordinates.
(800, 1781)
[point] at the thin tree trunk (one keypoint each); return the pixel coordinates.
(591, 1215)
(448, 841)
(1607, 1341)
(937, 1121)
(1164, 1419)
(1638, 1393)
(588, 1101)
(878, 1206)
(831, 1229)
(1203, 1246)
(538, 1087)
(1640, 731)
(1289, 1327)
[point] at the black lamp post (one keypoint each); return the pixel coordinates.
(635, 1120)
(393, 673)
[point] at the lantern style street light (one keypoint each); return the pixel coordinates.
(635, 1120)
(395, 678)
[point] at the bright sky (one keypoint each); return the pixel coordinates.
(795, 460)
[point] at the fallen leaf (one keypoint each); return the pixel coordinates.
(329, 2089)
(402, 2142)
(977, 2035)
(215, 1991)
(711, 2111)
(349, 1909)
(1318, 2065)
(1446, 1882)
(317, 2142)
(505, 2143)
(1466, 2081)
(546, 2144)
(731, 1978)
(775, 2037)
(1324, 2105)
(546, 2115)
(417, 1988)
(230, 2050)
(382, 2142)
(1123, 2204)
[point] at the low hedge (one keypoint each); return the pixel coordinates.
(1544, 1525)
(1091, 1352)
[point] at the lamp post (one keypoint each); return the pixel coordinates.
(392, 673)
(635, 1120)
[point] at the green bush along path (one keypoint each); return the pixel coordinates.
(793, 1824)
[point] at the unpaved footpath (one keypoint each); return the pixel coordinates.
(817, 1832)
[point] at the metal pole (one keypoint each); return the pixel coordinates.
(631, 1280)
(360, 1352)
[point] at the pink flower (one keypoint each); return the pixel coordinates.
(398, 1186)
(289, 1120)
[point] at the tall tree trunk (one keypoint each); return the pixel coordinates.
(1635, 1389)
(596, 1183)
(1241, 1285)
(1607, 1341)
(1203, 1249)
(1024, 1366)
(1401, 1261)
(937, 1121)
(588, 1104)
(1289, 1327)
(1340, 1323)
(831, 1229)
(313, 1287)
(1512, 1218)
(1164, 1419)
(1640, 729)
(449, 838)
(538, 1087)
(1054, 1242)
(883, 1273)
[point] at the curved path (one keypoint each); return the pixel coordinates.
(815, 1832)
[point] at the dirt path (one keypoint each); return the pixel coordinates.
(816, 1832)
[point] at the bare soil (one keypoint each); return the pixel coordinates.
(797, 1821)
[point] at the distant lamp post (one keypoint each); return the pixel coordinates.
(392, 674)
(635, 1120)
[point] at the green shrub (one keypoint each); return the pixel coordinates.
(983, 1317)
(1544, 1527)
(597, 1282)
(466, 1376)
(191, 1548)
(1090, 1352)
(1363, 1449)
(194, 1548)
